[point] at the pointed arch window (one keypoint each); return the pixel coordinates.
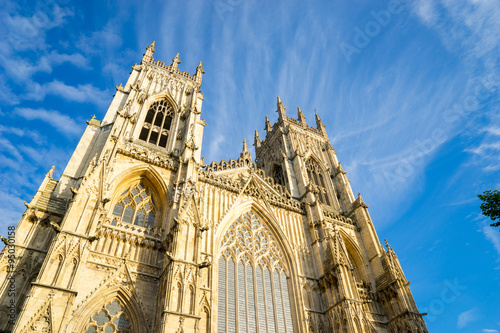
(315, 175)
(277, 174)
(135, 206)
(110, 318)
(156, 127)
(253, 287)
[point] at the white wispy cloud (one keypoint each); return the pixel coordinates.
(486, 155)
(82, 93)
(493, 130)
(22, 132)
(486, 330)
(100, 41)
(28, 32)
(426, 10)
(493, 236)
(59, 121)
(468, 28)
(466, 318)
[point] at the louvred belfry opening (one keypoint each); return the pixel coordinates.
(253, 286)
(156, 127)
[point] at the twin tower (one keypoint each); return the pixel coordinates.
(139, 235)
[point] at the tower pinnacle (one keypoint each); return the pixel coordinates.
(257, 141)
(176, 61)
(319, 125)
(300, 116)
(281, 109)
(148, 56)
(268, 127)
(245, 153)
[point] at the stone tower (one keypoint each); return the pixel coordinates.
(139, 235)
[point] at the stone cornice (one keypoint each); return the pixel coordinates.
(144, 154)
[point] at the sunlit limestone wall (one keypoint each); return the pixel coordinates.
(350, 269)
(139, 235)
(92, 259)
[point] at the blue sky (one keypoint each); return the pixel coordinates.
(409, 93)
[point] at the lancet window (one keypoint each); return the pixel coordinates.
(253, 286)
(277, 174)
(156, 127)
(109, 319)
(135, 205)
(315, 175)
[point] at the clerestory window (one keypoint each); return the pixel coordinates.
(315, 175)
(156, 127)
(135, 205)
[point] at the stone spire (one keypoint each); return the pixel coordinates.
(257, 141)
(268, 127)
(300, 116)
(281, 109)
(245, 153)
(148, 56)
(320, 126)
(176, 61)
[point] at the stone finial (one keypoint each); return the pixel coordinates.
(387, 245)
(245, 146)
(319, 124)
(257, 141)
(148, 56)
(268, 127)
(176, 61)
(300, 116)
(151, 46)
(199, 69)
(50, 173)
(280, 108)
(245, 153)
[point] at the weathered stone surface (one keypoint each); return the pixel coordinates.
(139, 235)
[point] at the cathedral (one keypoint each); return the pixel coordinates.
(141, 235)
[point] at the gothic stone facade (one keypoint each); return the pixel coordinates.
(139, 235)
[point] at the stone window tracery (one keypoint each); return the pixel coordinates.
(109, 319)
(315, 175)
(156, 127)
(253, 286)
(136, 206)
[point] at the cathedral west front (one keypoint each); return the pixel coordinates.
(141, 235)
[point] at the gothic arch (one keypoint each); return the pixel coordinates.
(152, 179)
(271, 222)
(323, 180)
(262, 212)
(159, 97)
(355, 253)
(143, 171)
(143, 110)
(82, 315)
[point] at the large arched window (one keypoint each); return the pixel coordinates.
(156, 126)
(253, 286)
(315, 175)
(135, 205)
